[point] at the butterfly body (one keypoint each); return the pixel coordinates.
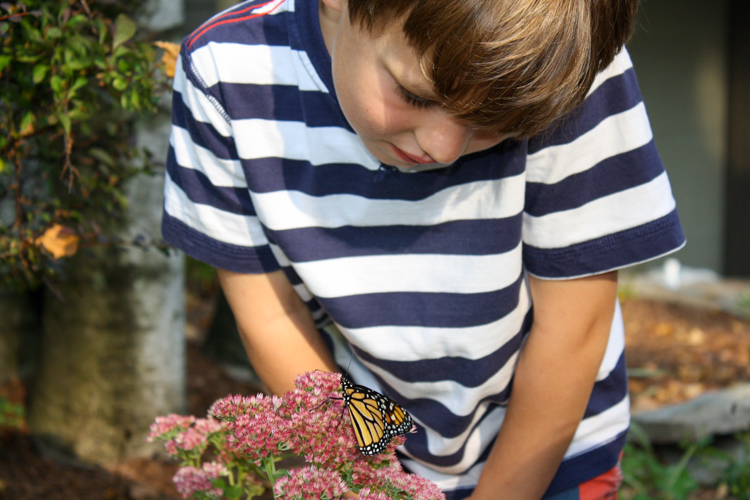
(375, 418)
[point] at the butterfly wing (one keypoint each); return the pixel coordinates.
(375, 418)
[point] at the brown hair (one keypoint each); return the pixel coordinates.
(510, 66)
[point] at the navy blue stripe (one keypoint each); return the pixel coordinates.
(304, 33)
(292, 275)
(260, 30)
(233, 258)
(276, 174)
(450, 310)
(416, 445)
(571, 473)
(458, 494)
(199, 189)
(464, 237)
(467, 372)
(609, 391)
(582, 468)
(202, 134)
(615, 250)
(280, 103)
(618, 94)
(571, 494)
(613, 175)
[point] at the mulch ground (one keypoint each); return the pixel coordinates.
(675, 353)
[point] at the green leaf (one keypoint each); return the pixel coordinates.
(57, 84)
(101, 29)
(135, 99)
(233, 491)
(80, 82)
(39, 72)
(120, 84)
(28, 58)
(102, 156)
(3, 165)
(53, 32)
(65, 120)
(26, 122)
(77, 19)
(124, 30)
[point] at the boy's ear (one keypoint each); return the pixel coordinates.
(337, 5)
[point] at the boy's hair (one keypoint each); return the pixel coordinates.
(509, 66)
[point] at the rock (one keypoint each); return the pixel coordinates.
(713, 413)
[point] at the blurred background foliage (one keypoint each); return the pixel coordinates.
(73, 76)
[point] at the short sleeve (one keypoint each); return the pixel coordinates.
(597, 195)
(208, 210)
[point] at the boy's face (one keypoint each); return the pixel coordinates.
(388, 101)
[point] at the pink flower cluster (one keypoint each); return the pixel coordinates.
(191, 480)
(167, 427)
(184, 433)
(310, 483)
(310, 421)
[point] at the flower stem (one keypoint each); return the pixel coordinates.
(269, 464)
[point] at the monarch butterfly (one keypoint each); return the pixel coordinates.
(375, 418)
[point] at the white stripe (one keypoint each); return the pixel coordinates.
(220, 172)
(294, 140)
(226, 227)
(595, 431)
(303, 292)
(199, 105)
(446, 482)
(457, 398)
(318, 314)
(477, 200)
(615, 345)
(436, 273)
(620, 65)
(439, 446)
(245, 4)
(255, 64)
(280, 256)
(610, 214)
(478, 441)
(407, 343)
(270, 8)
(621, 133)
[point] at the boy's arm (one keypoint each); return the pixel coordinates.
(556, 372)
(276, 328)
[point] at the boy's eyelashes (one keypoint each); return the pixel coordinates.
(414, 100)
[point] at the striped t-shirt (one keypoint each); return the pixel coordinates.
(422, 274)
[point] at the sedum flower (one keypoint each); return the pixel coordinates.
(167, 427)
(191, 481)
(310, 483)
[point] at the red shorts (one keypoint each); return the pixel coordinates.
(602, 487)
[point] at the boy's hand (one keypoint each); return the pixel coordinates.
(556, 371)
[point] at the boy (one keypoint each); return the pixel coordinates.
(402, 180)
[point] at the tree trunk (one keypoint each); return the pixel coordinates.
(113, 353)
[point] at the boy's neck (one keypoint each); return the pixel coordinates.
(329, 20)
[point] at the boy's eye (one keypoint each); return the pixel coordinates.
(414, 100)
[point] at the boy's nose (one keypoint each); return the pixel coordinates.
(443, 138)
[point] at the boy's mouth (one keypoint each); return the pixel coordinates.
(406, 157)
